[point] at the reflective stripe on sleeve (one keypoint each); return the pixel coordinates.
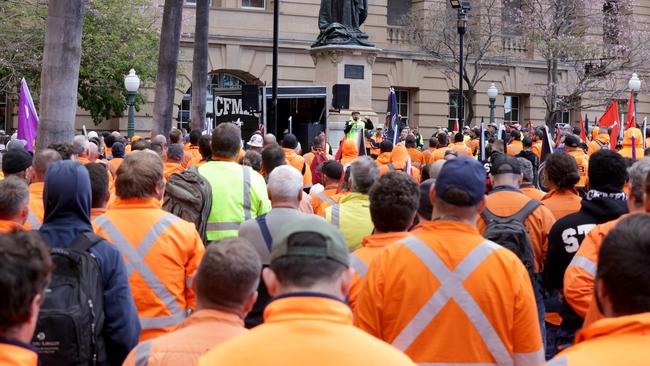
(222, 226)
(135, 263)
(33, 221)
(247, 192)
(528, 358)
(142, 353)
(584, 263)
(451, 287)
(560, 361)
(336, 212)
(359, 266)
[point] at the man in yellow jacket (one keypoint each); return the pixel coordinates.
(448, 296)
(225, 286)
(308, 322)
(352, 214)
(623, 296)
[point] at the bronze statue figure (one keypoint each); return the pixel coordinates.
(339, 22)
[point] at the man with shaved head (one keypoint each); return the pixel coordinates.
(42, 160)
(269, 138)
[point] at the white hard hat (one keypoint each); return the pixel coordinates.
(92, 134)
(256, 141)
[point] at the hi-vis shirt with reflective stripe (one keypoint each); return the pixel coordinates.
(452, 289)
(324, 198)
(238, 194)
(135, 263)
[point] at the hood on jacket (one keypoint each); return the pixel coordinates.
(399, 156)
(67, 199)
(638, 138)
(603, 138)
(383, 158)
(604, 209)
(595, 132)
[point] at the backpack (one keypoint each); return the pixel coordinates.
(316, 162)
(189, 196)
(71, 320)
(602, 146)
(510, 232)
(391, 167)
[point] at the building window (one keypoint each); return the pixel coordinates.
(256, 4)
(610, 22)
(397, 10)
(453, 107)
(193, 2)
(403, 99)
(511, 108)
(566, 116)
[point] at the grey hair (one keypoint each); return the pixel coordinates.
(364, 173)
(14, 196)
(435, 168)
(638, 173)
(526, 169)
(285, 182)
(80, 144)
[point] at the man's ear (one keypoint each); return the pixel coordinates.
(271, 281)
(346, 281)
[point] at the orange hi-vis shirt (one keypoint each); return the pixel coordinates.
(439, 154)
(399, 161)
(336, 197)
(114, 164)
(583, 167)
(515, 147)
(626, 151)
(299, 163)
(580, 275)
(203, 330)
(161, 252)
(531, 192)
(383, 159)
(36, 208)
(376, 140)
(417, 159)
(610, 342)
(305, 329)
(16, 353)
(598, 143)
(447, 296)
(193, 152)
(360, 260)
(474, 145)
(172, 168)
(7, 226)
(562, 202)
(319, 199)
(536, 148)
(461, 149)
(508, 202)
(428, 155)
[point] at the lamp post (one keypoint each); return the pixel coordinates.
(462, 6)
(131, 83)
(492, 93)
(635, 85)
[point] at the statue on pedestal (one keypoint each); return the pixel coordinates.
(339, 22)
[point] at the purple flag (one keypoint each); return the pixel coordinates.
(27, 117)
(392, 120)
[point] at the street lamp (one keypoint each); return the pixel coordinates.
(131, 83)
(463, 7)
(492, 93)
(635, 85)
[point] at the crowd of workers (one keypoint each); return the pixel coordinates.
(385, 253)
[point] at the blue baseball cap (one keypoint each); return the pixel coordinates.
(465, 174)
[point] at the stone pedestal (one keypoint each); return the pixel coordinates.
(346, 65)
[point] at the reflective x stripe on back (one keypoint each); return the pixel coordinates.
(336, 215)
(324, 198)
(33, 221)
(584, 263)
(135, 263)
(451, 288)
(359, 266)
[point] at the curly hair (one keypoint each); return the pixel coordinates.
(562, 170)
(393, 201)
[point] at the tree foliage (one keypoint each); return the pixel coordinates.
(117, 35)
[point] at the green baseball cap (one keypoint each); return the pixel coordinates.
(335, 247)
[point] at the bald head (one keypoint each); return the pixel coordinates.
(269, 138)
(43, 159)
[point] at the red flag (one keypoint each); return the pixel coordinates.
(530, 129)
(613, 135)
(631, 118)
(456, 128)
(583, 133)
(611, 115)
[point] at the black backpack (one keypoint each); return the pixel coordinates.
(71, 320)
(510, 232)
(189, 196)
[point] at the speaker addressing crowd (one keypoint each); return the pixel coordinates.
(500, 246)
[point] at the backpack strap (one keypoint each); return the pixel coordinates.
(391, 167)
(528, 209)
(489, 216)
(85, 241)
(264, 229)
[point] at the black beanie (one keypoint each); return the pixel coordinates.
(15, 161)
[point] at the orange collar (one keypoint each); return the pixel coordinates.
(564, 192)
(7, 226)
(307, 306)
(448, 225)
(37, 187)
(382, 240)
(129, 203)
(631, 324)
(213, 315)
